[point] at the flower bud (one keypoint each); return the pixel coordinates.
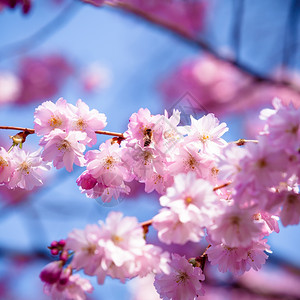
(51, 272)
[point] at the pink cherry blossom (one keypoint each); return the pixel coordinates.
(235, 227)
(29, 169)
(86, 120)
(87, 252)
(229, 161)
(74, 289)
(283, 126)
(107, 165)
(49, 116)
(172, 230)
(206, 132)
(142, 127)
(189, 159)
(193, 199)
(227, 258)
(64, 148)
(183, 282)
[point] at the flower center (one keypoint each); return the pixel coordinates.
(191, 162)
(3, 162)
(64, 146)
(181, 277)
(90, 249)
(262, 163)
(292, 199)
(109, 162)
(25, 167)
(116, 239)
(235, 220)
(188, 200)
(204, 138)
(81, 124)
(147, 155)
(55, 121)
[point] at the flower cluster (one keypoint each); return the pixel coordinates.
(116, 248)
(22, 169)
(230, 196)
(66, 130)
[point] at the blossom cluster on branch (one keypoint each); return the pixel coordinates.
(210, 189)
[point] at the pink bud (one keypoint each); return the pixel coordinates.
(51, 272)
(54, 251)
(86, 181)
(62, 243)
(54, 244)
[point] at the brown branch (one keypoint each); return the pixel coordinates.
(242, 142)
(221, 186)
(32, 131)
(176, 29)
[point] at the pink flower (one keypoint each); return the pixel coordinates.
(29, 169)
(229, 161)
(227, 258)
(74, 289)
(206, 132)
(172, 230)
(235, 227)
(283, 126)
(238, 259)
(6, 168)
(87, 252)
(144, 162)
(191, 198)
(107, 165)
(256, 255)
(262, 167)
(87, 121)
(142, 129)
(64, 148)
(183, 281)
(189, 159)
(49, 116)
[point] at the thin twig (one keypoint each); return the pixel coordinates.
(221, 186)
(175, 28)
(242, 142)
(32, 131)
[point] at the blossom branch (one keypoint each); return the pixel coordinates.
(258, 77)
(221, 186)
(242, 142)
(32, 131)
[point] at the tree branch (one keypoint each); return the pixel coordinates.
(176, 29)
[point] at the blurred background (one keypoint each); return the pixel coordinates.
(227, 57)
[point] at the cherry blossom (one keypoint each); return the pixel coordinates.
(87, 121)
(74, 288)
(64, 148)
(183, 282)
(206, 132)
(29, 169)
